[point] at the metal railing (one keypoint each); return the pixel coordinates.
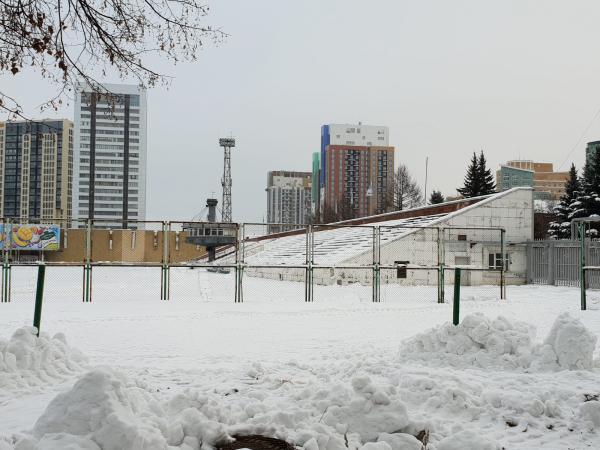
(374, 259)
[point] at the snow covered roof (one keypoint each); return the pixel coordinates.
(332, 246)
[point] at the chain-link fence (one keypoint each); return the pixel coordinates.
(112, 261)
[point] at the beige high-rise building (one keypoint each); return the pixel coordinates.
(36, 169)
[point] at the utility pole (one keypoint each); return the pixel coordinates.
(426, 167)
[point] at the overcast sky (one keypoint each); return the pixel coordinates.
(518, 79)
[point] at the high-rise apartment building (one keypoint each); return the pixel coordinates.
(357, 170)
(36, 170)
(110, 155)
(546, 184)
(315, 191)
(288, 198)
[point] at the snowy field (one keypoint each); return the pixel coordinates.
(138, 372)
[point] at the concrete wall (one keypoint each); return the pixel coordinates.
(466, 247)
(511, 210)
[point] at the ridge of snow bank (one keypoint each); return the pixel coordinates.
(105, 410)
(27, 361)
(501, 343)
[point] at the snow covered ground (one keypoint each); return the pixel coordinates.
(336, 373)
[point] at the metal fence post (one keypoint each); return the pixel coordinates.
(456, 303)
(551, 264)
(165, 281)
(239, 284)
(239, 269)
(87, 269)
(502, 265)
(39, 295)
(5, 282)
(5, 266)
(582, 265)
(311, 248)
(441, 257)
(308, 278)
(376, 268)
(6, 262)
(529, 262)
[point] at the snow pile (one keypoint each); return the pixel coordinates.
(27, 360)
(570, 344)
(589, 415)
(105, 410)
(400, 441)
(331, 415)
(476, 341)
(371, 411)
(502, 343)
(466, 440)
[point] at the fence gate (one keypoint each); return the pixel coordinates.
(557, 262)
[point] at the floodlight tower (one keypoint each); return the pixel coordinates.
(227, 144)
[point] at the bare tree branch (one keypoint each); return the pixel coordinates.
(66, 41)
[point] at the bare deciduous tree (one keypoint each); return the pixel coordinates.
(68, 41)
(406, 192)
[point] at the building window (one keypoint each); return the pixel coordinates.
(495, 261)
(401, 271)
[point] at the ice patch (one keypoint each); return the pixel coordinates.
(501, 343)
(27, 361)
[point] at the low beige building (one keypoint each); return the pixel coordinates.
(118, 246)
(547, 184)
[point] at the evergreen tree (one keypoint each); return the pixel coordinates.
(590, 197)
(587, 202)
(479, 179)
(560, 228)
(472, 184)
(436, 197)
(485, 176)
